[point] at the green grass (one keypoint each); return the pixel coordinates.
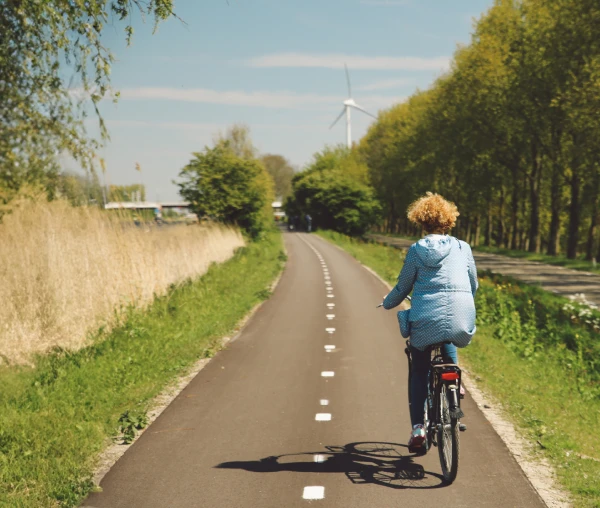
(396, 235)
(575, 264)
(541, 363)
(386, 261)
(57, 416)
(542, 399)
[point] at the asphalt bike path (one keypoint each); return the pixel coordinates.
(308, 406)
(557, 279)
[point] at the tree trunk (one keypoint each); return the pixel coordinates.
(598, 252)
(468, 234)
(574, 216)
(523, 240)
(392, 220)
(475, 240)
(555, 207)
(589, 254)
(488, 226)
(534, 195)
(514, 209)
(501, 226)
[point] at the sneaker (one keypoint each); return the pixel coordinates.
(418, 438)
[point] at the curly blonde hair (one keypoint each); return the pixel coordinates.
(433, 212)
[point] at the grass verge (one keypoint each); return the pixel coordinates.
(575, 264)
(57, 416)
(537, 353)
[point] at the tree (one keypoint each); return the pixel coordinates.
(133, 192)
(79, 190)
(227, 188)
(509, 133)
(54, 66)
(282, 173)
(238, 139)
(330, 191)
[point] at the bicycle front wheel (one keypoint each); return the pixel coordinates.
(448, 432)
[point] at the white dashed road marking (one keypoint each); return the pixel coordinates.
(327, 373)
(313, 492)
(330, 316)
(329, 347)
(330, 330)
(324, 402)
(331, 305)
(323, 417)
(319, 458)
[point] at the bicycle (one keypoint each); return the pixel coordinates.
(442, 412)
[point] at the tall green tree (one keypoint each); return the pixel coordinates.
(508, 133)
(332, 190)
(54, 68)
(222, 186)
(282, 173)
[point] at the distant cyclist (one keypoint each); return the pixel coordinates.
(308, 220)
(442, 272)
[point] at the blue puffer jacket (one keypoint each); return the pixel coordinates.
(441, 269)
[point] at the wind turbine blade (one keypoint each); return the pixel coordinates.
(338, 118)
(356, 106)
(348, 80)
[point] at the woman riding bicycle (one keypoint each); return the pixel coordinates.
(442, 271)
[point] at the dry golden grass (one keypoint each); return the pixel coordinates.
(65, 270)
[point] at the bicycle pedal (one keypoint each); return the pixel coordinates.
(419, 450)
(456, 412)
(462, 427)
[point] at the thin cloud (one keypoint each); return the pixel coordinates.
(385, 3)
(234, 98)
(199, 126)
(262, 99)
(337, 61)
(386, 84)
(165, 125)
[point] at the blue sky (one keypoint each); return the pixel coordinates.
(274, 65)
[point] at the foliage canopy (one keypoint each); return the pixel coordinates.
(509, 133)
(225, 187)
(53, 66)
(332, 190)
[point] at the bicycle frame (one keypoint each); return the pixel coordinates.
(440, 372)
(441, 409)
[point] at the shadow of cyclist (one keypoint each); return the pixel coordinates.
(364, 462)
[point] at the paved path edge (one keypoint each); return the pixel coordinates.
(538, 470)
(114, 451)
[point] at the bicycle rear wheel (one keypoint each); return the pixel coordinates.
(448, 436)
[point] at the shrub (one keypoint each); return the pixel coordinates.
(333, 190)
(227, 188)
(533, 322)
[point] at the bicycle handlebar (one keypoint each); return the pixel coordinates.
(381, 304)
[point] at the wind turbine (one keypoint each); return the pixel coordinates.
(349, 103)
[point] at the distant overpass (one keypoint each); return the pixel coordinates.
(144, 205)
